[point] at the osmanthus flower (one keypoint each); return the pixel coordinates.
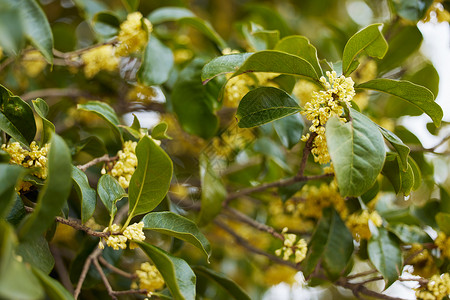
(358, 223)
(125, 166)
(443, 243)
(149, 278)
(99, 58)
(324, 104)
(292, 246)
(437, 9)
(133, 34)
(421, 260)
(117, 240)
(437, 288)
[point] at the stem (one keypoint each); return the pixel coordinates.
(104, 158)
(104, 279)
(115, 269)
(306, 152)
(85, 270)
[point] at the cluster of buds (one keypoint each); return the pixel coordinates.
(292, 246)
(133, 35)
(437, 288)
(149, 278)
(119, 240)
(125, 166)
(358, 223)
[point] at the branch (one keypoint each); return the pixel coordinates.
(80, 51)
(52, 93)
(84, 271)
(415, 148)
(358, 289)
(306, 152)
(115, 269)
(61, 269)
(128, 292)
(104, 158)
(104, 279)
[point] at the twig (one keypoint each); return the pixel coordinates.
(358, 289)
(104, 158)
(104, 279)
(61, 269)
(84, 271)
(52, 93)
(80, 51)
(306, 152)
(128, 292)
(244, 243)
(115, 269)
(361, 274)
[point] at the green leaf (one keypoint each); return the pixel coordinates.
(106, 24)
(385, 254)
(157, 63)
(55, 192)
(286, 192)
(105, 112)
(399, 146)
(12, 131)
(131, 5)
(11, 30)
(289, 129)
(402, 181)
(410, 234)
(415, 94)
(278, 62)
(37, 253)
(87, 195)
(412, 10)
(53, 289)
(151, 180)
(259, 38)
(264, 105)
(416, 172)
(177, 226)
(10, 176)
(222, 65)
(159, 132)
(226, 283)
(357, 152)
(110, 192)
(213, 192)
(178, 276)
(41, 108)
(443, 221)
(271, 149)
(300, 46)
(445, 200)
(368, 39)
(331, 244)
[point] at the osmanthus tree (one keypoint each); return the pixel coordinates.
(267, 154)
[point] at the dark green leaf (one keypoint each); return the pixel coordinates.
(445, 200)
(286, 192)
(415, 94)
(87, 195)
(37, 253)
(106, 112)
(222, 65)
(179, 277)
(259, 38)
(53, 289)
(402, 181)
(443, 221)
(357, 152)
(412, 10)
(264, 105)
(416, 172)
(106, 24)
(289, 129)
(410, 234)
(213, 192)
(11, 31)
(399, 146)
(110, 192)
(55, 192)
(159, 132)
(368, 39)
(12, 131)
(157, 63)
(385, 254)
(48, 129)
(227, 284)
(300, 46)
(177, 226)
(9, 177)
(331, 244)
(151, 180)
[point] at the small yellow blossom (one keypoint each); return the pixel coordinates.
(437, 288)
(182, 55)
(142, 93)
(133, 36)
(358, 223)
(325, 104)
(443, 243)
(292, 246)
(125, 166)
(134, 232)
(33, 63)
(230, 142)
(149, 278)
(99, 58)
(119, 241)
(421, 260)
(315, 199)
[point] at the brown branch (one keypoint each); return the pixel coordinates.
(244, 243)
(52, 93)
(128, 292)
(358, 289)
(104, 158)
(115, 269)
(361, 274)
(61, 269)
(306, 151)
(84, 271)
(80, 51)
(104, 279)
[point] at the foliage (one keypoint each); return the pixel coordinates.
(271, 143)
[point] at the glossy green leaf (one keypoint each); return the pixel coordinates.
(157, 63)
(213, 192)
(443, 221)
(177, 226)
(300, 46)
(177, 274)
(286, 192)
(357, 152)
(370, 40)
(416, 173)
(37, 253)
(41, 108)
(12, 131)
(234, 290)
(289, 129)
(110, 192)
(264, 105)
(399, 146)
(159, 132)
(105, 112)
(151, 180)
(53, 289)
(11, 31)
(412, 10)
(222, 65)
(415, 94)
(410, 234)
(86, 194)
(260, 38)
(106, 24)
(385, 254)
(131, 5)
(402, 181)
(272, 150)
(55, 192)
(278, 62)
(10, 176)
(331, 244)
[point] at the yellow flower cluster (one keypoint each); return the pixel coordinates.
(149, 278)
(437, 288)
(358, 223)
(276, 274)
(125, 166)
(99, 58)
(443, 243)
(133, 36)
(230, 142)
(422, 261)
(317, 198)
(142, 93)
(119, 241)
(33, 63)
(35, 159)
(437, 9)
(292, 246)
(322, 106)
